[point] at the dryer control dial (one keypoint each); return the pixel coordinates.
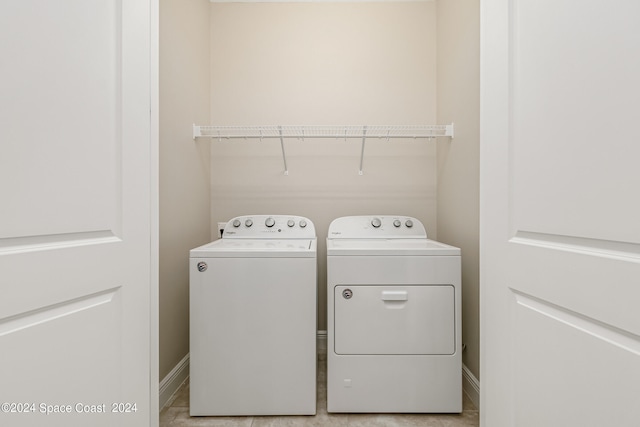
(270, 222)
(397, 223)
(408, 223)
(291, 223)
(303, 223)
(376, 222)
(236, 223)
(248, 223)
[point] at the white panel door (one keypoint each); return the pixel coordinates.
(560, 213)
(75, 220)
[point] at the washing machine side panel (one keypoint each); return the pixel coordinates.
(253, 336)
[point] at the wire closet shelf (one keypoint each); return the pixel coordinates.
(338, 132)
(301, 132)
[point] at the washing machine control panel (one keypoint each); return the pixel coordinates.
(269, 227)
(376, 227)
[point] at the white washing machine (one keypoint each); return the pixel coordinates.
(253, 319)
(394, 323)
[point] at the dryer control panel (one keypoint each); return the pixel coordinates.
(269, 227)
(376, 227)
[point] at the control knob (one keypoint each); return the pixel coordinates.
(248, 223)
(270, 222)
(408, 223)
(236, 223)
(376, 222)
(303, 223)
(291, 223)
(397, 223)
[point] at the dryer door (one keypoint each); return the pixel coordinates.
(394, 319)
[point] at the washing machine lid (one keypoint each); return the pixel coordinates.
(257, 248)
(389, 247)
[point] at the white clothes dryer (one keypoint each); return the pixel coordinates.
(253, 319)
(394, 318)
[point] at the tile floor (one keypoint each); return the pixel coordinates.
(176, 414)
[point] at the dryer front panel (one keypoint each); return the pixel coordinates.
(394, 319)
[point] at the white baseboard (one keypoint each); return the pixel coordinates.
(471, 386)
(174, 379)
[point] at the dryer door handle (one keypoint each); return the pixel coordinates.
(395, 295)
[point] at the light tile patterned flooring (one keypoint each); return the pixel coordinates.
(176, 414)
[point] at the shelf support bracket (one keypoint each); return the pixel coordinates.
(284, 156)
(364, 138)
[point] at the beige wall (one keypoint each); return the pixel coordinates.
(458, 161)
(323, 63)
(184, 165)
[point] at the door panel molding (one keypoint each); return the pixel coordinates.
(570, 370)
(568, 119)
(623, 251)
(605, 332)
(31, 318)
(17, 245)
